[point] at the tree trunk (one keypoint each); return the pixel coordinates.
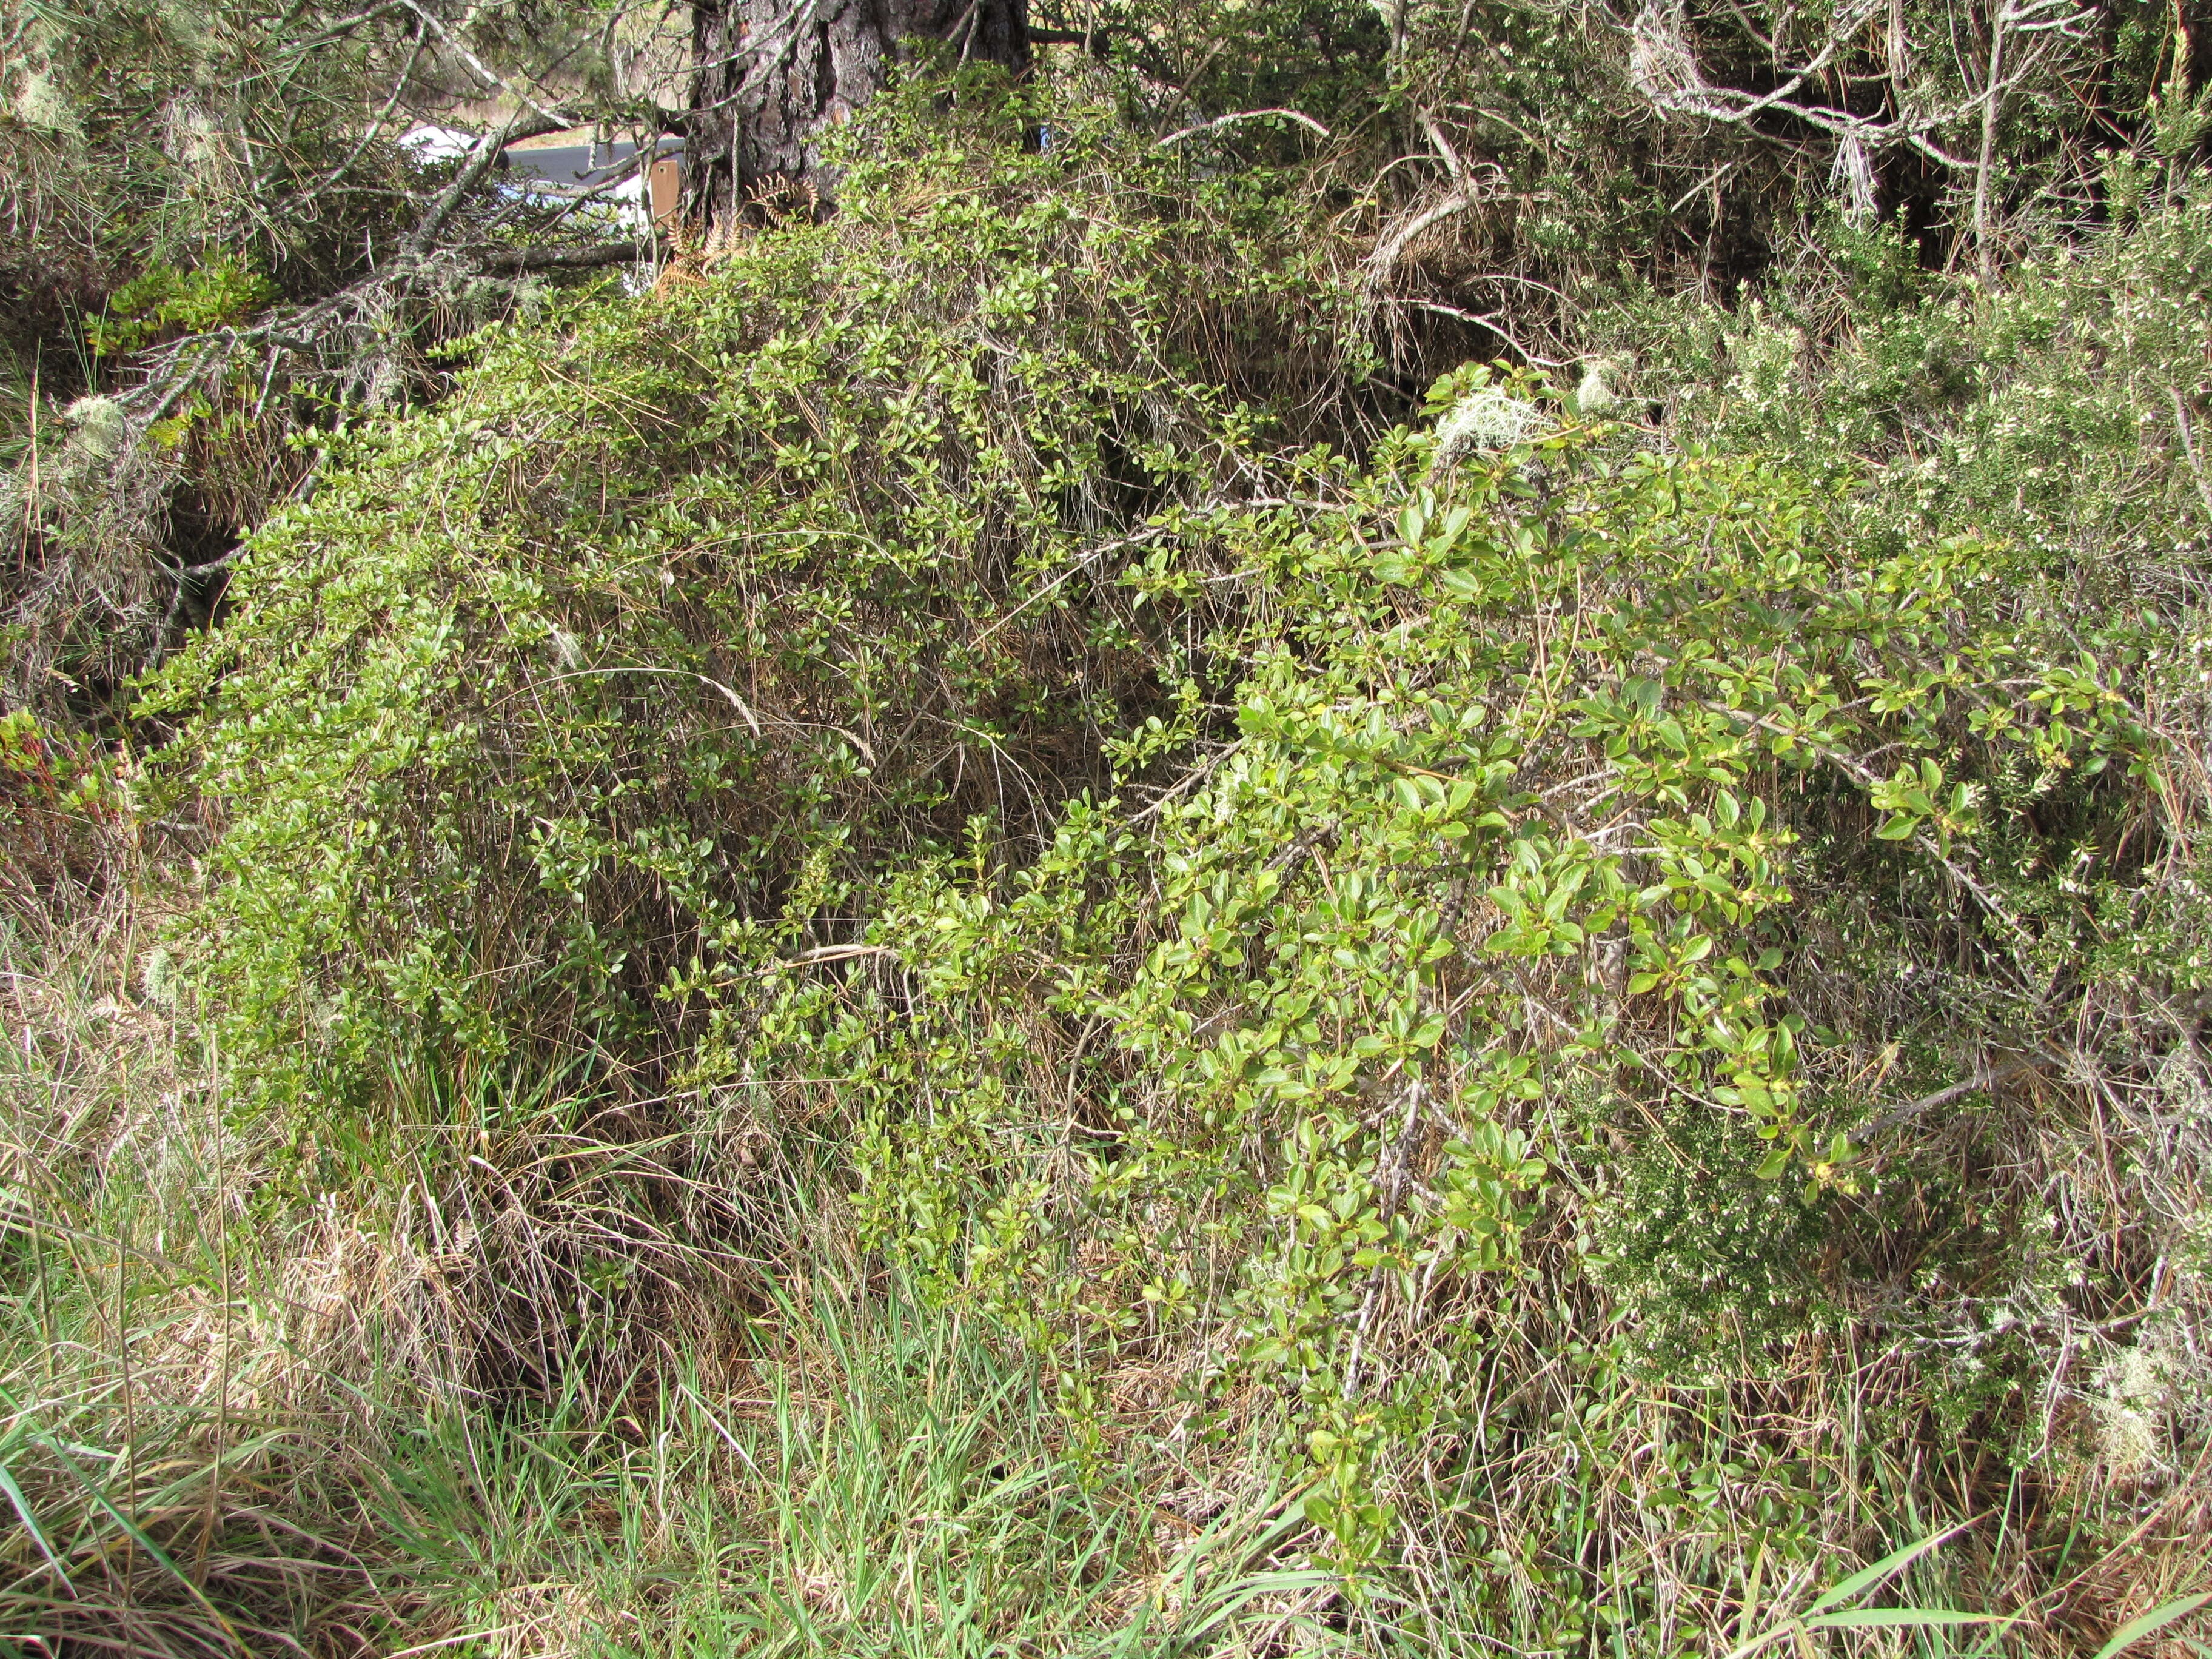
(771, 76)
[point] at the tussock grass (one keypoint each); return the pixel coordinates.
(233, 1438)
(223, 1436)
(171, 1455)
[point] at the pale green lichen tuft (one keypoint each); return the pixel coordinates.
(102, 430)
(1486, 420)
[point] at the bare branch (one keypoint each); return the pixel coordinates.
(486, 151)
(491, 80)
(1985, 1077)
(566, 259)
(1244, 115)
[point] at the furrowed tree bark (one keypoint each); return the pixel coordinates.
(772, 76)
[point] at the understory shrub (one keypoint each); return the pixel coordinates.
(1625, 999)
(1494, 938)
(569, 709)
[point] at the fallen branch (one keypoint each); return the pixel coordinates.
(825, 953)
(1388, 252)
(565, 258)
(1244, 115)
(1985, 1077)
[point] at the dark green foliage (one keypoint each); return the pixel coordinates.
(1182, 63)
(148, 138)
(1707, 1263)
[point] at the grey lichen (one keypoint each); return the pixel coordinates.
(1596, 395)
(100, 428)
(1487, 419)
(41, 105)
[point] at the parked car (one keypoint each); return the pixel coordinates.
(607, 171)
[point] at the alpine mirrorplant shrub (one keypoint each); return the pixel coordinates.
(1542, 771)
(1622, 1000)
(569, 710)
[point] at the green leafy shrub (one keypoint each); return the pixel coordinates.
(1538, 757)
(164, 300)
(566, 711)
(1484, 963)
(64, 817)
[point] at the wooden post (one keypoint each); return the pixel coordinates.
(663, 191)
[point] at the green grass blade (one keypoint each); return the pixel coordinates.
(1865, 1577)
(1897, 1617)
(2156, 1619)
(23, 1508)
(137, 1535)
